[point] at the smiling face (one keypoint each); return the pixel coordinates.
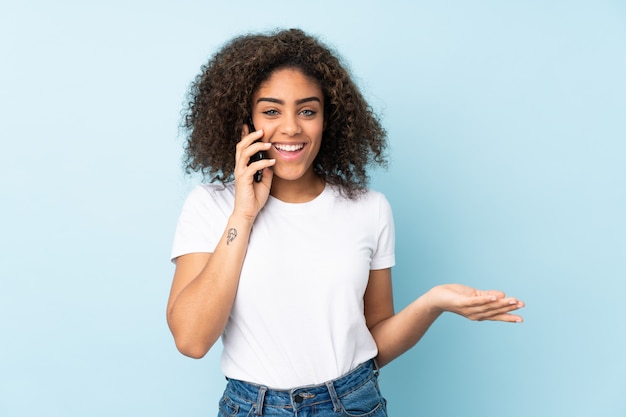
(289, 107)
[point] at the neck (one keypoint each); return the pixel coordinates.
(299, 191)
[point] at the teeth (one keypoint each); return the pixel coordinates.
(289, 148)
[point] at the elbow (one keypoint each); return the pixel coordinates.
(190, 344)
(192, 353)
(191, 349)
(192, 341)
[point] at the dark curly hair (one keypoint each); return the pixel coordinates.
(220, 97)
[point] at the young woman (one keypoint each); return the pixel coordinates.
(288, 258)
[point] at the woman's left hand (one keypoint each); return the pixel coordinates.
(475, 304)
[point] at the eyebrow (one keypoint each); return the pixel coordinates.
(298, 102)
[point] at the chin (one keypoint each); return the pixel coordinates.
(290, 175)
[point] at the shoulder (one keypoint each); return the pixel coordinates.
(378, 200)
(212, 192)
(374, 195)
(370, 203)
(208, 198)
(366, 198)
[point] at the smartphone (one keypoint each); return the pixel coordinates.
(257, 156)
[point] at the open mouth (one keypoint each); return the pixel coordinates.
(288, 148)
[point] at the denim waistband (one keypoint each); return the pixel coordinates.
(305, 395)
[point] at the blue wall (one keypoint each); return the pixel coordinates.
(507, 123)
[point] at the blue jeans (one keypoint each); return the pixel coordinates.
(355, 394)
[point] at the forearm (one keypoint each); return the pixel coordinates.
(402, 331)
(198, 315)
(398, 333)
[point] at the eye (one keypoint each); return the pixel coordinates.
(270, 112)
(308, 113)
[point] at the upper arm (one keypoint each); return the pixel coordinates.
(378, 298)
(188, 267)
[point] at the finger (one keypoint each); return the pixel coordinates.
(261, 165)
(506, 317)
(245, 142)
(478, 311)
(481, 300)
(249, 138)
(493, 293)
(245, 150)
(268, 174)
(494, 309)
(245, 130)
(254, 148)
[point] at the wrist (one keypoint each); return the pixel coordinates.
(241, 221)
(433, 301)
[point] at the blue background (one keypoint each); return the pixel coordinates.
(507, 124)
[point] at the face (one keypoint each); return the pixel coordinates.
(289, 107)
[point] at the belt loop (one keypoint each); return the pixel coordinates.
(259, 401)
(333, 396)
(376, 367)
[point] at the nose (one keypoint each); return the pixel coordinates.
(290, 125)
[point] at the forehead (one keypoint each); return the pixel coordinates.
(289, 82)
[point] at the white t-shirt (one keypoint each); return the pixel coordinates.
(298, 315)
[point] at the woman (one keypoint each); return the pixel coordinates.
(288, 258)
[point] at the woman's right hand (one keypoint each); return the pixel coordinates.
(205, 284)
(251, 196)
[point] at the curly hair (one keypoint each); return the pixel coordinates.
(219, 102)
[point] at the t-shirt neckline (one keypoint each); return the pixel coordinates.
(320, 197)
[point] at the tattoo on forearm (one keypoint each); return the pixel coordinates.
(232, 234)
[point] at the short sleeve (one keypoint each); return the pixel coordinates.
(384, 256)
(202, 220)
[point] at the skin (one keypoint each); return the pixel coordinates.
(287, 111)
(289, 108)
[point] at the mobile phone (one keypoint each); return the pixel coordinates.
(257, 156)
